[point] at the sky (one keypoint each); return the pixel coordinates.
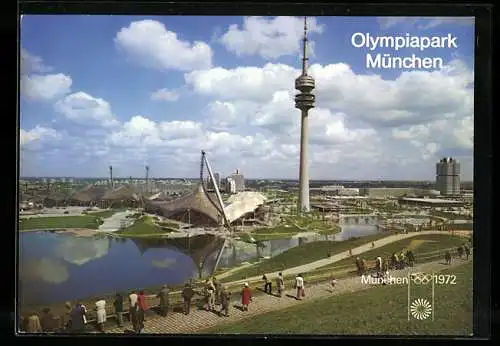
(130, 91)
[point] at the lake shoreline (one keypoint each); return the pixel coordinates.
(151, 289)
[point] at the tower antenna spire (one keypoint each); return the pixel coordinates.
(304, 49)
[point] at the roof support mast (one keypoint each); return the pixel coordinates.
(221, 203)
(216, 187)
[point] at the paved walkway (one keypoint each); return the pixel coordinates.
(114, 222)
(335, 258)
(199, 320)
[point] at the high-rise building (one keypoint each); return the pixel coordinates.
(230, 185)
(448, 176)
(217, 181)
(239, 181)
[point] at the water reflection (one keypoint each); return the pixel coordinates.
(45, 269)
(57, 267)
(79, 250)
(356, 231)
(202, 249)
(237, 252)
(164, 263)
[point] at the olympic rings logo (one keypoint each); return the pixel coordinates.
(421, 279)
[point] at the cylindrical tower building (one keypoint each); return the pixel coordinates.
(304, 101)
(448, 176)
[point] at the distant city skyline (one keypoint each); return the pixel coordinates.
(223, 177)
(130, 91)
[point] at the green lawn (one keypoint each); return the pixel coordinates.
(79, 221)
(309, 252)
(105, 213)
(271, 236)
(142, 227)
(288, 228)
(314, 223)
(168, 224)
(282, 228)
(432, 242)
(382, 310)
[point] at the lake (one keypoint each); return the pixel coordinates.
(55, 267)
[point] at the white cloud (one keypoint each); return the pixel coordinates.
(37, 135)
(149, 43)
(165, 95)
(355, 117)
(363, 126)
(268, 38)
(412, 98)
(251, 83)
(84, 109)
(423, 23)
(32, 64)
(464, 133)
(45, 87)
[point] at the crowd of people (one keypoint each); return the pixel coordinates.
(462, 250)
(217, 298)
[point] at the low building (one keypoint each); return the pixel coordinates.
(385, 192)
(430, 202)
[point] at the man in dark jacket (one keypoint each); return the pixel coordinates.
(48, 321)
(218, 287)
(225, 301)
(187, 295)
(118, 304)
(77, 321)
(163, 295)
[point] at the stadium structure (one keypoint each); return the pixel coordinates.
(200, 207)
(204, 208)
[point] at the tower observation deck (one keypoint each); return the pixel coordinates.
(304, 101)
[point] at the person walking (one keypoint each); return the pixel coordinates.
(33, 325)
(333, 282)
(163, 295)
(48, 321)
(187, 295)
(210, 295)
(299, 284)
(100, 307)
(217, 290)
(447, 257)
(142, 310)
(379, 265)
(225, 301)
(268, 286)
(133, 311)
(118, 305)
(280, 283)
(84, 309)
(65, 317)
(77, 319)
(467, 251)
(246, 297)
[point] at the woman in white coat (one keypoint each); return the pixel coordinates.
(100, 306)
